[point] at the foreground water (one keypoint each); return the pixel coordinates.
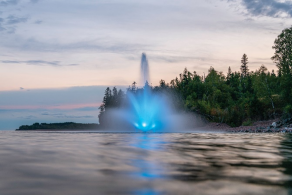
(133, 163)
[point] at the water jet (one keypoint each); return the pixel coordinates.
(148, 110)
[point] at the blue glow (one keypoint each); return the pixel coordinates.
(147, 110)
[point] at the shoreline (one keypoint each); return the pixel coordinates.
(268, 126)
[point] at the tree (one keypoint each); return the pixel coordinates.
(283, 51)
(107, 98)
(244, 68)
(262, 85)
(133, 87)
(283, 59)
(229, 73)
(163, 84)
(228, 77)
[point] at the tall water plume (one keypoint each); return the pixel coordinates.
(144, 69)
(147, 110)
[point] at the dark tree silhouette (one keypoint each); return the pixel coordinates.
(283, 60)
(244, 68)
(229, 72)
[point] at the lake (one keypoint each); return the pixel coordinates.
(144, 163)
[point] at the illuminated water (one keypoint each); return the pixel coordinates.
(137, 163)
(148, 111)
(144, 69)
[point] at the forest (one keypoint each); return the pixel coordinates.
(237, 98)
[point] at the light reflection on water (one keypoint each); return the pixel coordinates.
(125, 163)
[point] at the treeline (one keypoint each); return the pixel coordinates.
(59, 126)
(237, 98)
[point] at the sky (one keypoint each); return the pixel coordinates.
(58, 56)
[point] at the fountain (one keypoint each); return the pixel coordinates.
(147, 110)
(144, 69)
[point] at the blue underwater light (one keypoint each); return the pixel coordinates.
(145, 126)
(147, 110)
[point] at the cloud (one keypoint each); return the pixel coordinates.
(87, 109)
(101, 45)
(9, 2)
(61, 115)
(174, 59)
(34, 1)
(9, 23)
(27, 117)
(38, 22)
(37, 62)
(1, 27)
(94, 45)
(15, 20)
(271, 8)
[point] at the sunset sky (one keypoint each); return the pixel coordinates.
(57, 56)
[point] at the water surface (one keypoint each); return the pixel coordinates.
(138, 163)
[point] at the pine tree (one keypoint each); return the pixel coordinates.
(244, 68)
(133, 87)
(283, 60)
(114, 102)
(229, 73)
(107, 98)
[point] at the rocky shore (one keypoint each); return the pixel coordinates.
(269, 126)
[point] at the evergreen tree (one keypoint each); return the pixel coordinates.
(229, 73)
(283, 60)
(244, 68)
(133, 87)
(107, 98)
(114, 102)
(263, 87)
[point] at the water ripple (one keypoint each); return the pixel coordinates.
(171, 163)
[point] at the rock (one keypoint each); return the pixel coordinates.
(286, 121)
(269, 131)
(274, 124)
(268, 128)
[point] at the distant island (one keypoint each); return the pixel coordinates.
(59, 126)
